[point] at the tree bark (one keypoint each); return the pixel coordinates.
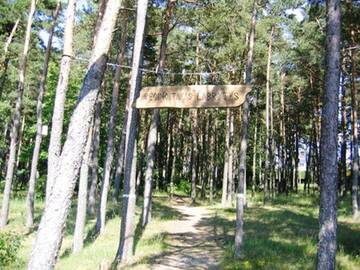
(268, 144)
(100, 225)
(126, 243)
(94, 159)
(152, 137)
(49, 237)
(355, 135)
(240, 199)
(38, 137)
(16, 119)
(328, 142)
(61, 89)
(225, 186)
(78, 240)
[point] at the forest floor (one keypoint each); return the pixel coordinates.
(279, 235)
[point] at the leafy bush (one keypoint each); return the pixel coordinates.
(9, 245)
(183, 188)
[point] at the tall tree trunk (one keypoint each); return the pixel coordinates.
(78, 240)
(100, 225)
(120, 159)
(355, 135)
(253, 179)
(49, 237)
(16, 121)
(240, 199)
(152, 137)
(268, 144)
(94, 157)
(225, 187)
(38, 137)
(61, 89)
(342, 169)
(328, 145)
(126, 243)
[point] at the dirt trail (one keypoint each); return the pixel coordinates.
(192, 241)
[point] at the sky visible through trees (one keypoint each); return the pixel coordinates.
(90, 180)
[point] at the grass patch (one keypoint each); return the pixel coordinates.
(283, 235)
(97, 249)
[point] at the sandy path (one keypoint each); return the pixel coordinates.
(192, 242)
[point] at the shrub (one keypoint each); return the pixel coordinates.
(9, 245)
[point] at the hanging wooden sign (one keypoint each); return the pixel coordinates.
(192, 96)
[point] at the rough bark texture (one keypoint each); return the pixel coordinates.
(100, 224)
(125, 248)
(38, 137)
(78, 240)
(61, 88)
(16, 121)
(328, 142)
(152, 137)
(240, 200)
(49, 236)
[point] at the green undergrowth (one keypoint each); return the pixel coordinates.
(97, 249)
(283, 234)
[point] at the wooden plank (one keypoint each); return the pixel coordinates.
(192, 96)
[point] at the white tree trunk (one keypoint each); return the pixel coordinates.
(129, 197)
(49, 237)
(38, 137)
(16, 121)
(61, 89)
(100, 224)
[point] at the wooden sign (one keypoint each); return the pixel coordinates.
(192, 96)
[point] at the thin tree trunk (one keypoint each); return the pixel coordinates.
(49, 237)
(10, 37)
(36, 152)
(268, 143)
(120, 160)
(100, 225)
(94, 158)
(78, 240)
(343, 151)
(150, 151)
(126, 243)
(240, 199)
(61, 89)
(328, 145)
(16, 121)
(4, 58)
(355, 136)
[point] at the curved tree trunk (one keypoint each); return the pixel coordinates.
(16, 121)
(49, 236)
(38, 137)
